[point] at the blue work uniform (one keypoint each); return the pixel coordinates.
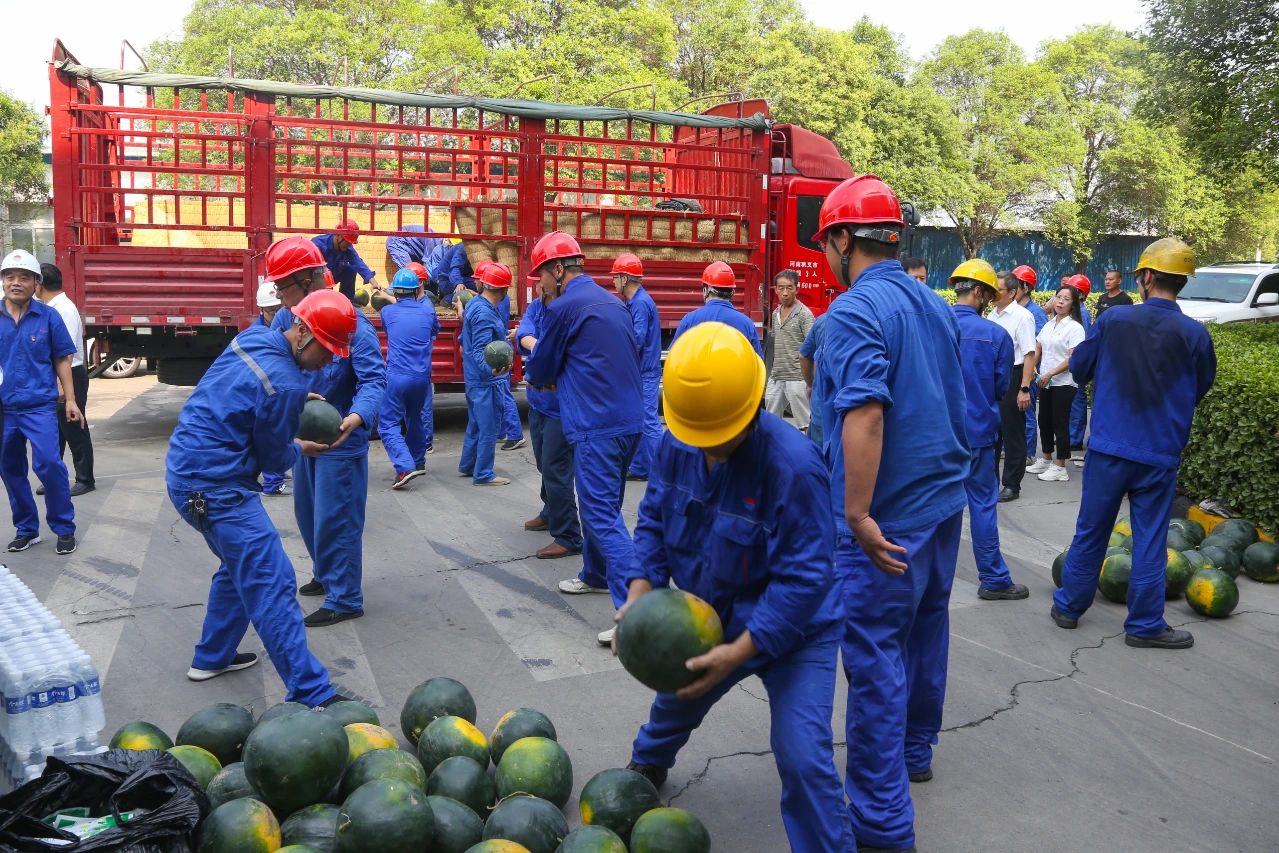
(239, 422)
(648, 340)
(892, 341)
(987, 354)
(1079, 407)
(330, 490)
(1032, 425)
(481, 325)
(551, 450)
(411, 327)
(720, 311)
(421, 250)
(452, 267)
(512, 429)
(428, 405)
(587, 351)
(1151, 365)
(344, 265)
(29, 352)
(271, 480)
(730, 536)
(808, 349)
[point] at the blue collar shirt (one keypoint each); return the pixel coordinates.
(29, 353)
(986, 353)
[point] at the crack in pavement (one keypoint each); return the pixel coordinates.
(500, 562)
(700, 776)
(742, 686)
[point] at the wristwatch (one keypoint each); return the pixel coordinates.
(1025, 389)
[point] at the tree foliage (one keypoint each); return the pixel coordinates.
(22, 172)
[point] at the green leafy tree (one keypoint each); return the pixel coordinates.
(22, 171)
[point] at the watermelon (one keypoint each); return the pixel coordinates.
(616, 799)
(314, 826)
(361, 296)
(1261, 562)
(1123, 526)
(668, 830)
(537, 766)
(382, 764)
(464, 297)
(1110, 552)
(364, 737)
(1230, 543)
(498, 355)
(1178, 541)
(379, 300)
(221, 729)
(140, 735)
(526, 820)
(498, 845)
(1059, 566)
(199, 762)
(660, 631)
(520, 723)
(294, 760)
(449, 736)
(457, 829)
(1197, 560)
(385, 815)
(465, 780)
(320, 422)
(283, 709)
(297, 848)
(1113, 581)
(1237, 528)
(1212, 593)
(592, 839)
(1177, 574)
(230, 784)
(349, 711)
(1191, 528)
(1222, 558)
(240, 826)
(435, 697)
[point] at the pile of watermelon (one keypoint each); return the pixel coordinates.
(336, 781)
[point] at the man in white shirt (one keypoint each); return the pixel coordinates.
(76, 434)
(1020, 326)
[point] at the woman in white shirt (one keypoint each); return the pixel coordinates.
(1061, 334)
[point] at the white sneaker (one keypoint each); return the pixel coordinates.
(1040, 466)
(575, 586)
(605, 638)
(1054, 474)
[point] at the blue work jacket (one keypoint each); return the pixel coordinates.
(29, 352)
(344, 264)
(241, 418)
(422, 250)
(753, 536)
(818, 430)
(986, 351)
(411, 327)
(481, 325)
(648, 331)
(453, 267)
(893, 341)
(1152, 365)
(542, 399)
(354, 384)
(587, 351)
(720, 311)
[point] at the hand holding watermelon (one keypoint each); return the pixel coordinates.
(717, 664)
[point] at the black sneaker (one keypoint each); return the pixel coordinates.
(66, 544)
(513, 443)
(1016, 592)
(324, 617)
(656, 775)
(925, 775)
(243, 660)
(1062, 620)
(22, 543)
(311, 587)
(332, 700)
(1170, 639)
(431, 449)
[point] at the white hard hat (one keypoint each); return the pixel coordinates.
(267, 295)
(20, 259)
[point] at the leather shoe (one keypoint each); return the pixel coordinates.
(311, 587)
(538, 523)
(1062, 620)
(1170, 639)
(1006, 494)
(324, 617)
(81, 488)
(555, 550)
(917, 776)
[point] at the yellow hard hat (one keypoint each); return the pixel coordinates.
(1168, 255)
(711, 385)
(976, 270)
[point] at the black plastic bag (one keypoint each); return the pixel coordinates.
(116, 781)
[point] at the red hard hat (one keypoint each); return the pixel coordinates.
(719, 275)
(628, 264)
(331, 318)
(493, 274)
(418, 270)
(1026, 274)
(863, 200)
(289, 255)
(329, 281)
(1080, 283)
(348, 230)
(553, 247)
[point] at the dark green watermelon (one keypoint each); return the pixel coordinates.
(221, 729)
(498, 355)
(537, 766)
(530, 821)
(1178, 540)
(1261, 562)
(435, 697)
(295, 760)
(1059, 566)
(387, 816)
(240, 826)
(349, 711)
(660, 631)
(457, 828)
(382, 764)
(1191, 528)
(379, 300)
(592, 839)
(1197, 560)
(1113, 580)
(281, 710)
(668, 830)
(230, 784)
(615, 799)
(465, 780)
(1222, 558)
(314, 826)
(1237, 528)
(320, 422)
(520, 723)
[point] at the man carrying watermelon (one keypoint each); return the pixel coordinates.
(411, 328)
(1151, 366)
(481, 326)
(737, 512)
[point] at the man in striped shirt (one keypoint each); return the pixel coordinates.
(791, 323)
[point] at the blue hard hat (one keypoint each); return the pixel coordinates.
(405, 279)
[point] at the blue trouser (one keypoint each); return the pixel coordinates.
(1078, 420)
(329, 493)
(254, 584)
(982, 486)
(896, 639)
(512, 429)
(554, 457)
(428, 415)
(1150, 492)
(652, 433)
(483, 414)
(1032, 425)
(801, 693)
(599, 469)
(400, 420)
(40, 428)
(271, 481)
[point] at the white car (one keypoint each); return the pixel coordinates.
(1232, 293)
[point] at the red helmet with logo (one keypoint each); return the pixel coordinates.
(863, 200)
(493, 274)
(554, 247)
(1080, 283)
(628, 264)
(331, 318)
(719, 275)
(348, 230)
(289, 255)
(1026, 275)
(418, 270)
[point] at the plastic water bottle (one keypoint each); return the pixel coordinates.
(89, 690)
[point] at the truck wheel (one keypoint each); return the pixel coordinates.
(182, 371)
(123, 368)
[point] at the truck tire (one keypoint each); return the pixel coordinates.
(182, 371)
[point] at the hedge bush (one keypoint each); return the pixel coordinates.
(1041, 298)
(1233, 456)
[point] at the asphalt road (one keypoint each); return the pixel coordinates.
(1053, 741)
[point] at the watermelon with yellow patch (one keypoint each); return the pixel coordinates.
(1113, 580)
(245, 825)
(140, 735)
(615, 799)
(1123, 526)
(436, 697)
(537, 766)
(448, 736)
(497, 845)
(201, 763)
(363, 737)
(520, 723)
(660, 631)
(1177, 574)
(592, 839)
(669, 830)
(1213, 593)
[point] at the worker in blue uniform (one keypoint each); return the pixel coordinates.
(718, 284)
(737, 512)
(986, 352)
(808, 367)
(1151, 365)
(551, 451)
(897, 448)
(268, 305)
(1026, 280)
(481, 325)
(1079, 407)
(411, 327)
(452, 273)
(239, 422)
(342, 260)
(35, 357)
(628, 280)
(404, 250)
(587, 352)
(511, 433)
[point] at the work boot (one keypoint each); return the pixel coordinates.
(324, 617)
(1016, 592)
(535, 524)
(1062, 620)
(311, 587)
(656, 775)
(917, 776)
(243, 660)
(1170, 639)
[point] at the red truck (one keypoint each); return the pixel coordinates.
(166, 200)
